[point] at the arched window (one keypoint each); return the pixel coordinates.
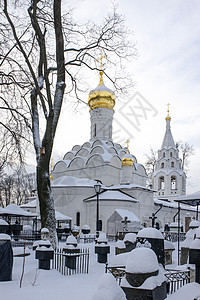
(170, 154)
(78, 217)
(172, 164)
(162, 165)
(173, 183)
(163, 154)
(161, 183)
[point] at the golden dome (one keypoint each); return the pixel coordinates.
(127, 160)
(101, 96)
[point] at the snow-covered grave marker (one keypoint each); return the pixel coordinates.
(144, 277)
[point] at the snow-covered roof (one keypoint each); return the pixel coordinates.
(191, 199)
(127, 186)
(31, 204)
(106, 150)
(15, 210)
(172, 204)
(127, 213)
(61, 217)
(112, 195)
(72, 182)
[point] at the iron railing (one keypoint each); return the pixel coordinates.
(173, 236)
(175, 278)
(81, 264)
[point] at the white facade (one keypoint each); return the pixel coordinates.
(123, 179)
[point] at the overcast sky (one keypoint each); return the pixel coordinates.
(167, 70)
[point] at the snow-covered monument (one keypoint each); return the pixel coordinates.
(122, 177)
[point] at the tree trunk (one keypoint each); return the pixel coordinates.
(45, 196)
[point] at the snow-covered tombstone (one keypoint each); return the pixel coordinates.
(6, 257)
(75, 230)
(120, 247)
(101, 248)
(44, 252)
(190, 235)
(44, 234)
(130, 241)
(144, 276)
(153, 238)
(72, 251)
(85, 229)
(108, 289)
(194, 255)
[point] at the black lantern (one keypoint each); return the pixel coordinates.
(97, 188)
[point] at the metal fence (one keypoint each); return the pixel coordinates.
(175, 278)
(173, 236)
(25, 238)
(81, 262)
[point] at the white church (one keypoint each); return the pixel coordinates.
(124, 199)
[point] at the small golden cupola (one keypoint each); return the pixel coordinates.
(101, 96)
(127, 159)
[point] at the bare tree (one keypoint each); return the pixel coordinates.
(16, 186)
(150, 163)
(186, 150)
(41, 55)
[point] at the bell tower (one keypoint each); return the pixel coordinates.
(169, 179)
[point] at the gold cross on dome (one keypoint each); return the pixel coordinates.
(101, 60)
(168, 108)
(127, 147)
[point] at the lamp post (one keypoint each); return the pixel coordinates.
(97, 188)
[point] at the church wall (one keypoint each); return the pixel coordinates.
(106, 209)
(69, 201)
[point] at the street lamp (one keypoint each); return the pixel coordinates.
(97, 188)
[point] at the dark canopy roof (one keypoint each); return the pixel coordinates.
(191, 199)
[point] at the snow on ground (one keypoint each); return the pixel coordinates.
(51, 285)
(190, 291)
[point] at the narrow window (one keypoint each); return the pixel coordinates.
(78, 216)
(162, 165)
(172, 164)
(95, 129)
